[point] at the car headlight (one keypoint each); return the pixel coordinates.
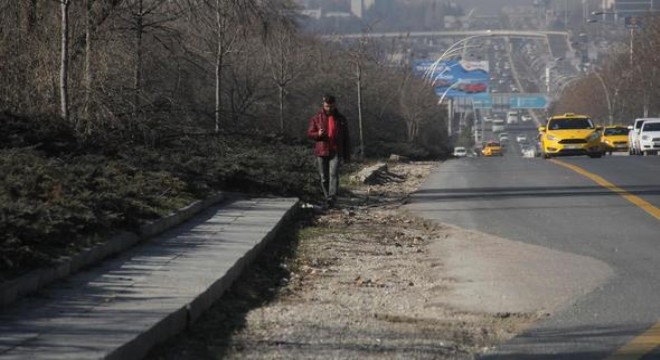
(645, 137)
(593, 137)
(552, 138)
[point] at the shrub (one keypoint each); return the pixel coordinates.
(60, 192)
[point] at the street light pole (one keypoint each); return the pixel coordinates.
(632, 51)
(632, 33)
(459, 42)
(449, 50)
(454, 48)
(430, 72)
(560, 82)
(442, 97)
(563, 85)
(607, 97)
(548, 71)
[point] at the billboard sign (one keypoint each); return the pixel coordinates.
(503, 101)
(453, 78)
(635, 7)
(482, 101)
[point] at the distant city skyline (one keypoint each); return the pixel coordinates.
(359, 8)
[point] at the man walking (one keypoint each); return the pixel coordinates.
(329, 129)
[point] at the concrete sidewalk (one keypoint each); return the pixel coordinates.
(121, 307)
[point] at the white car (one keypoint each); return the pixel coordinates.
(512, 117)
(526, 118)
(460, 151)
(633, 135)
(529, 152)
(649, 137)
(498, 125)
(521, 138)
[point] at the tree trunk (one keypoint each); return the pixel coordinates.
(281, 108)
(218, 68)
(359, 103)
(88, 64)
(64, 64)
(31, 16)
(137, 81)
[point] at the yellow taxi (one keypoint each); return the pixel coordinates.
(614, 138)
(570, 134)
(492, 148)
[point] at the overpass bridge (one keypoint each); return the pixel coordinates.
(450, 34)
(558, 42)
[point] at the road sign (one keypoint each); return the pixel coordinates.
(482, 101)
(635, 7)
(527, 101)
(633, 22)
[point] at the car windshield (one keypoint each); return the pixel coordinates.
(651, 127)
(570, 124)
(616, 131)
(493, 144)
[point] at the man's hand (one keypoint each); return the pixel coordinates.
(321, 133)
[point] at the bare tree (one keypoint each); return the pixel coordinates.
(418, 105)
(146, 16)
(285, 59)
(233, 21)
(64, 60)
(226, 37)
(88, 61)
(92, 23)
(359, 57)
(358, 83)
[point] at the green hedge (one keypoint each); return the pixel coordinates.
(60, 191)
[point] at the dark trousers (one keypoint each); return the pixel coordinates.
(328, 167)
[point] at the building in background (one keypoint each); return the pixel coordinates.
(360, 7)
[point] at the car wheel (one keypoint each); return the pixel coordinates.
(595, 156)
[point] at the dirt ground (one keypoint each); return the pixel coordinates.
(361, 281)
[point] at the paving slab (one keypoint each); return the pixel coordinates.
(120, 308)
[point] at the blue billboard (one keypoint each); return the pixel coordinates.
(453, 78)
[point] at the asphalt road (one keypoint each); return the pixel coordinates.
(541, 202)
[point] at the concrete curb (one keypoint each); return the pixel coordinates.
(14, 289)
(179, 320)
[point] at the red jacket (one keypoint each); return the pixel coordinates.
(322, 146)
